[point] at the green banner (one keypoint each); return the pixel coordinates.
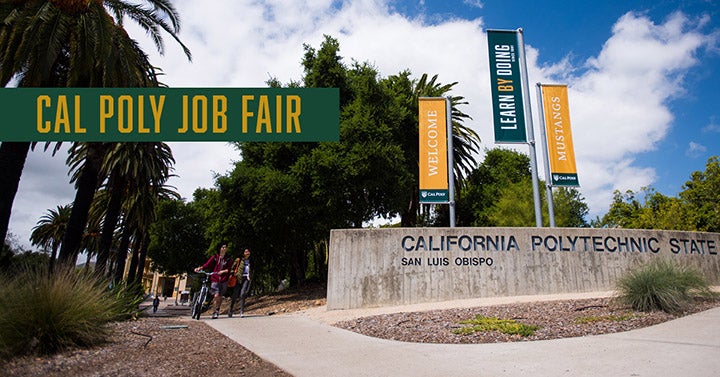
(506, 87)
(565, 179)
(169, 114)
(434, 196)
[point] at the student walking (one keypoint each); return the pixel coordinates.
(220, 264)
(241, 268)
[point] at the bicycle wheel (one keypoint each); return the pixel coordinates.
(197, 305)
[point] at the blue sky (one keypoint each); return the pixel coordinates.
(642, 76)
(578, 30)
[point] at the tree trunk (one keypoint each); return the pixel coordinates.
(53, 256)
(110, 223)
(86, 186)
(132, 272)
(141, 259)
(298, 266)
(12, 163)
(408, 218)
(121, 255)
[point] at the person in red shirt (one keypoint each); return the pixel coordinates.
(219, 264)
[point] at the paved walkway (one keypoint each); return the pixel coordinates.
(305, 345)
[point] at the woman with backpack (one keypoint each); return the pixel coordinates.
(241, 272)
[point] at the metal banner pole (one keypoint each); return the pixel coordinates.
(543, 135)
(529, 129)
(451, 172)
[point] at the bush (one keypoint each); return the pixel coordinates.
(128, 299)
(661, 285)
(46, 314)
(506, 326)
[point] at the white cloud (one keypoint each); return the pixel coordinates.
(695, 149)
(197, 164)
(474, 3)
(44, 185)
(712, 127)
(618, 100)
(619, 105)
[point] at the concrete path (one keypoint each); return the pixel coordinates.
(305, 345)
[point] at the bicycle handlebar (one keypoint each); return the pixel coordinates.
(206, 273)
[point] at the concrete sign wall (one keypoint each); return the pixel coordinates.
(380, 267)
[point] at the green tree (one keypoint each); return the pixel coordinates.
(12, 162)
(466, 142)
(265, 209)
(501, 168)
(139, 215)
(365, 175)
(125, 66)
(673, 214)
(49, 231)
(55, 43)
(623, 212)
(130, 167)
(382, 115)
(499, 193)
(702, 194)
(648, 209)
(177, 237)
(282, 199)
(514, 205)
(569, 208)
(696, 209)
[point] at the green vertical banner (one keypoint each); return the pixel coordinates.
(506, 87)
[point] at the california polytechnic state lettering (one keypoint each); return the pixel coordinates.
(506, 87)
(558, 243)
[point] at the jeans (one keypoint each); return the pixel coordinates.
(242, 288)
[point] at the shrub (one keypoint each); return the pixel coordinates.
(128, 298)
(505, 326)
(661, 285)
(45, 314)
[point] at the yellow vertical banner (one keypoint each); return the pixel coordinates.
(561, 153)
(432, 119)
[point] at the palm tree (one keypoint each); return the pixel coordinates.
(12, 161)
(90, 241)
(50, 229)
(129, 166)
(85, 160)
(74, 43)
(466, 142)
(91, 172)
(139, 214)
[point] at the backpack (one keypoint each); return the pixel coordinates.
(232, 280)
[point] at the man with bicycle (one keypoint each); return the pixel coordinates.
(220, 265)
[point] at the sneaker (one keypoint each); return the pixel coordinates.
(215, 315)
(242, 315)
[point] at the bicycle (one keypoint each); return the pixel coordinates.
(200, 303)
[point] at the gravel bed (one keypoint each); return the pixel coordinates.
(167, 346)
(152, 346)
(555, 319)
